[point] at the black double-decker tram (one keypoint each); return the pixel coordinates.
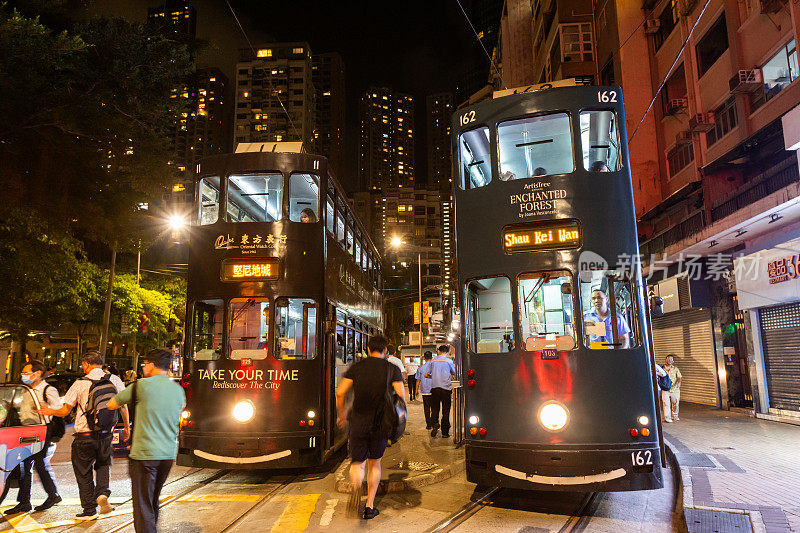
(283, 294)
(557, 372)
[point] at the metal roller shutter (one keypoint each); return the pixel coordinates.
(780, 333)
(688, 335)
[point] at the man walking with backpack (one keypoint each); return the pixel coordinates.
(370, 379)
(158, 402)
(94, 426)
(48, 395)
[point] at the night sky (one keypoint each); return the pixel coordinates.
(413, 46)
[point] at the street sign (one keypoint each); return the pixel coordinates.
(426, 311)
(416, 312)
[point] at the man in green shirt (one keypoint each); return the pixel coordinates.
(158, 403)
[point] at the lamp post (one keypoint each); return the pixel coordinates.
(397, 242)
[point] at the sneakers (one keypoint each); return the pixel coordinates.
(435, 429)
(87, 515)
(370, 513)
(668, 420)
(19, 508)
(675, 418)
(105, 507)
(48, 503)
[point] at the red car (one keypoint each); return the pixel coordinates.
(22, 430)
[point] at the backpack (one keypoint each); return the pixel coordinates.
(100, 418)
(393, 412)
(664, 383)
(57, 425)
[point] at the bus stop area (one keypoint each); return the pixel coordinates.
(416, 460)
(738, 473)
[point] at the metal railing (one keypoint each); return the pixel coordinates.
(458, 414)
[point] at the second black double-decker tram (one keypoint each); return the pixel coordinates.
(557, 373)
(283, 294)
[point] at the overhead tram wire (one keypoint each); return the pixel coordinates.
(253, 50)
(669, 72)
(491, 61)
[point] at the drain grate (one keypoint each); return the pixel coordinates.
(413, 466)
(705, 521)
(695, 459)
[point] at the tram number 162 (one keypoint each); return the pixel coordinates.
(642, 458)
(606, 96)
(466, 118)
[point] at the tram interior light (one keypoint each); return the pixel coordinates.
(244, 411)
(643, 420)
(553, 416)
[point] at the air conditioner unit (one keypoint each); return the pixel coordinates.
(746, 81)
(686, 6)
(676, 104)
(652, 25)
(772, 6)
(702, 122)
(683, 137)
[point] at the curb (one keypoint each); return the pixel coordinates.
(685, 499)
(414, 482)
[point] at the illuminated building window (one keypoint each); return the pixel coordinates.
(264, 53)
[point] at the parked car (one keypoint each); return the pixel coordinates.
(22, 429)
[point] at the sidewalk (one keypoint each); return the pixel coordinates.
(737, 470)
(417, 460)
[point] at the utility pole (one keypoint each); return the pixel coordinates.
(421, 314)
(107, 310)
(134, 355)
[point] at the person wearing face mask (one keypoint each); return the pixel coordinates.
(32, 376)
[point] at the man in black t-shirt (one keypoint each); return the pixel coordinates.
(369, 379)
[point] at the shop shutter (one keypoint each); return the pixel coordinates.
(780, 334)
(688, 335)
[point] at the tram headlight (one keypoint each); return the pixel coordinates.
(643, 420)
(185, 415)
(311, 414)
(553, 416)
(473, 420)
(244, 411)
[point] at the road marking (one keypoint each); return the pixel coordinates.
(247, 498)
(24, 522)
(297, 514)
(32, 528)
(327, 514)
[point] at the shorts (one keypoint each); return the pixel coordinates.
(365, 443)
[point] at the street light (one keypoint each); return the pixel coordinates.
(397, 242)
(176, 222)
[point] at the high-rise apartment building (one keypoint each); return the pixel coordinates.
(329, 84)
(484, 15)
(275, 99)
(386, 155)
(179, 14)
(439, 108)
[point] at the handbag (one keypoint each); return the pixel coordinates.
(664, 383)
(394, 413)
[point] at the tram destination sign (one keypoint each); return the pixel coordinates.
(542, 235)
(250, 269)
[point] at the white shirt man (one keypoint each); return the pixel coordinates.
(78, 395)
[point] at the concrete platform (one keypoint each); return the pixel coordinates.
(415, 461)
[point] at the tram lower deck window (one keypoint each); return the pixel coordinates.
(296, 328)
(606, 294)
(490, 318)
(545, 307)
(248, 335)
(207, 330)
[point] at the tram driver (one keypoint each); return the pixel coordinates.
(601, 314)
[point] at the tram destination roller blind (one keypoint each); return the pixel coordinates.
(780, 334)
(688, 335)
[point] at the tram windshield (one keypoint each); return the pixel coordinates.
(476, 169)
(545, 303)
(208, 198)
(600, 141)
(296, 328)
(303, 198)
(535, 146)
(490, 315)
(248, 337)
(605, 294)
(255, 198)
(207, 339)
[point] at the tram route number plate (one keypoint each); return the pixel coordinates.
(542, 235)
(641, 458)
(549, 353)
(250, 269)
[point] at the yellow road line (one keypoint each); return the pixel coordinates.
(248, 498)
(297, 514)
(24, 522)
(71, 522)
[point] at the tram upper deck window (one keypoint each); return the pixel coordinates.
(208, 199)
(207, 326)
(296, 328)
(490, 319)
(303, 198)
(255, 198)
(535, 146)
(606, 294)
(248, 335)
(330, 217)
(476, 168)
(600, 141)
(545, 306)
